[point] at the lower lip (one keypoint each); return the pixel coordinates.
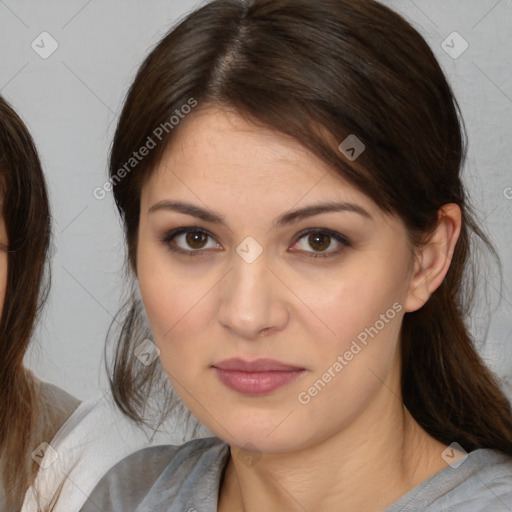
(256, 383)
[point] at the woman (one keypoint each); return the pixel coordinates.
(298, 228)
(32, 410)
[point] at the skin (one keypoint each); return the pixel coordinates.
(287, 305)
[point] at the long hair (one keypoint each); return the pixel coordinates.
(319, 72)
(26, 214)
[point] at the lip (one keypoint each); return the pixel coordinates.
(256, 377)
(259, 365)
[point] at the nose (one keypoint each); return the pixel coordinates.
(253, 300)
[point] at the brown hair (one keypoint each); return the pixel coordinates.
(348, 67)
(26, 215)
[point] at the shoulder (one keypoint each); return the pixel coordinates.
(483, 481)
(57, 405)
(486, 484)
(161, 476)
(95, 438)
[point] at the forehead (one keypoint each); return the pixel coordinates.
(220, 154)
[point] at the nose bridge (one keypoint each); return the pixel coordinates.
(251, 299)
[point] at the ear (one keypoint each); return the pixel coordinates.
(432, 260)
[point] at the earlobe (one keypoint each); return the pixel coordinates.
(433, 259)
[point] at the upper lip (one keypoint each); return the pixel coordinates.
(259, 365)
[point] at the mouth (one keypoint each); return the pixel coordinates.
(256, 377)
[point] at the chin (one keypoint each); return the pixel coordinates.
(263, 432)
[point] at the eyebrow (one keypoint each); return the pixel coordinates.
(286, 218)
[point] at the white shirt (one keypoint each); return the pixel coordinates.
(95, 437)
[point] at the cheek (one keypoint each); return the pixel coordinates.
(365, 312)
(354, 300)
(178, 305)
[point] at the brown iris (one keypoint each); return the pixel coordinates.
(196, 240)
(319, 241)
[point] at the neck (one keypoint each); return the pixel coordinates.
(365, 467)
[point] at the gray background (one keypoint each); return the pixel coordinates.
(70, 102)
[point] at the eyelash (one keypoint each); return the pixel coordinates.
(171, 235)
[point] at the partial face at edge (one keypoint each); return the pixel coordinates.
(318, 286)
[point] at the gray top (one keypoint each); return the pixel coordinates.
(186, 478)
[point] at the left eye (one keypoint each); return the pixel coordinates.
(321, 240)
(188, 238)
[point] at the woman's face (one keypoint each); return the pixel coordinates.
(321, 293)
